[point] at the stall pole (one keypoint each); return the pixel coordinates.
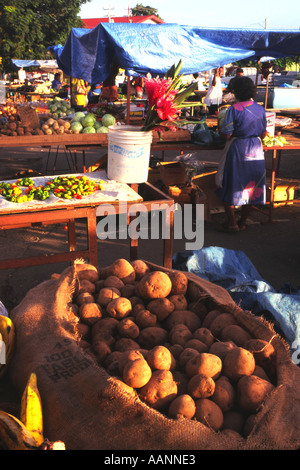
(256, 78)
(128, 101)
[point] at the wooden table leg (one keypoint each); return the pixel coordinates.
(71, 235)
(92, 236)
(168, 242)
(272, 185)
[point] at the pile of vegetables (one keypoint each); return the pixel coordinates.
(275, 141)
(154, 331)
(64, 187)
(87, 123)
(59, 107)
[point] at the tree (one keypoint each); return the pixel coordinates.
(140, 10)
(28, 27)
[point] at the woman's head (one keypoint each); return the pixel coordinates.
(243, 88)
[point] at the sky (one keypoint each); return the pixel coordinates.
(255, 14)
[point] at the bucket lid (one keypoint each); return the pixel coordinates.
(129, 132)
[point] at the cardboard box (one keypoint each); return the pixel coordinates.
(271, 117)
(205, 188)
(283, 193)
(181, 195)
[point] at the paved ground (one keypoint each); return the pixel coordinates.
(272, 248)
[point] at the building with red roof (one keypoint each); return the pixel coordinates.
(90, 23)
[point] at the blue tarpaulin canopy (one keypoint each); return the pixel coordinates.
(142, 48)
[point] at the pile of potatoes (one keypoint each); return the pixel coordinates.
(155, 332)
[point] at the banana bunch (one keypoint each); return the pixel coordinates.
(7, 343)
(26, 433)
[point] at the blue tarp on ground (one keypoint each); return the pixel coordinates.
(142, 48)
(232, 270)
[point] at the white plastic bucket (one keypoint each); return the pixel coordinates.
(128, 154)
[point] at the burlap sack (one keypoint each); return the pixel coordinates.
(89, 410)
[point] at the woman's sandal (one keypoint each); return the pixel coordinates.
(227, 228)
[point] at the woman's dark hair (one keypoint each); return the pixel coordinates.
(243, 88)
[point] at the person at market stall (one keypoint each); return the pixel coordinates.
(79, 93)
(214, 95)
(109, 89)
(139, 84)
(56, 83)
(240, 177)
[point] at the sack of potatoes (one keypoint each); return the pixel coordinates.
(180, 347)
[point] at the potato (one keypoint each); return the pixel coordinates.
(160, 358)
(206, 364)
(128, 328)
(85, 286)
(140, 268)
(264, 353)
(161, 308)
(101, 350)
(90, 313)
(179, 301)
(125, 344)
(84, 298)
(160, 390)
(155, 285)
(235, 333)
(196, 344)
(201, 386)
(260, 372)
(204, 335)
(181, 381)
(128, 290)
(209, 413)
(129, 355)
(220, 322)
(87, 271)
(208, 319)
(238, 362)
(112, 363)
(234, 420)
(152, 336)
(224, 395)
(135, 300)
(113, 281)
(83, 330)
(179, 282)
(122, 269)
(144, 318)
(137, 373)
(184, 317)
(183, 406)
(119, 308)
(221, 348)
(252, 392)
(106, 295)
(105, 326)
(176, 350)
(180, 334)
(186, 355)
(199, 308)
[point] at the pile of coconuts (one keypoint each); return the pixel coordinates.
(155, 331)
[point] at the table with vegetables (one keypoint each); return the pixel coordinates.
(63, 199)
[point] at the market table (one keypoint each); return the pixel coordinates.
(84, 141)
(119, 195)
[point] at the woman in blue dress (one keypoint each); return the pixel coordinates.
(241, 173)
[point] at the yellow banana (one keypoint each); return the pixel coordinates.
(31, 413)
(14, 434)
(7, 332)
